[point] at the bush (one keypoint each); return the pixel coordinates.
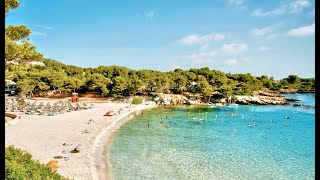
(137, 100)
(19, 165)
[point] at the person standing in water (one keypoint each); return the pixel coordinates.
(166, 114)
(160, 121)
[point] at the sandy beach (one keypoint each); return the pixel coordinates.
(44, 137)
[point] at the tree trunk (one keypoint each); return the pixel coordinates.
(31, 94)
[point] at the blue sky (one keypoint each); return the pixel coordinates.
(274, 37)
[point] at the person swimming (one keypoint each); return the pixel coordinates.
(287, 117)
(269, 126)
(255, 124)
(285, 124)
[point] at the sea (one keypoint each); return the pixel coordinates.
(203, 143)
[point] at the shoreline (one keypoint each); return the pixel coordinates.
(46, 137)
(100, 166)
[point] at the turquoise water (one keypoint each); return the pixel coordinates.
(222, 148)
(306, 98)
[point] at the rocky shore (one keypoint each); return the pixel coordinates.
(262, 97)
(262, 100)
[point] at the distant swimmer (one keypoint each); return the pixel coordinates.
(255, 124)
(160, 121)
(166, 114)
(285, 124)
(166, 126)
(287, 117)
(272, 120)
(269, 126)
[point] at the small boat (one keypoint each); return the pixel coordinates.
(109, 113)
(210, 104)
(230, 104)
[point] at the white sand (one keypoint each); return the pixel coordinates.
(43, 137)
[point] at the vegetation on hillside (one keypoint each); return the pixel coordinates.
(117, 81)
(20, 165)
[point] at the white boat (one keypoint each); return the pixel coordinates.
(230, 104)
(210, 104)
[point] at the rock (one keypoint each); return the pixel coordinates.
(262, 100)
(53, 164)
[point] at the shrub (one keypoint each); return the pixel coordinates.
(137, 100)
(20, 165)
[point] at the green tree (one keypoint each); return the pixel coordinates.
(11, 4)
(120, 84)
(98, 81)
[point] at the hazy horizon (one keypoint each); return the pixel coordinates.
(273, 38)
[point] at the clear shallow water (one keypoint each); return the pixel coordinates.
(306, 98)
(225, 148)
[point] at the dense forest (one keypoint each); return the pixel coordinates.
(117, 81)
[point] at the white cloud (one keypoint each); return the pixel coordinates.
(298, 5)
(45, 27)
(201, 57)
(200, 39)
(272, 36)
(237, 3)
(264, 48)
(233, 48)
(302, 31)
(262, 31)
(232, 61)
(267, 32)
(290, 7)
(36, 33)
(245, 59)
(150, 14)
